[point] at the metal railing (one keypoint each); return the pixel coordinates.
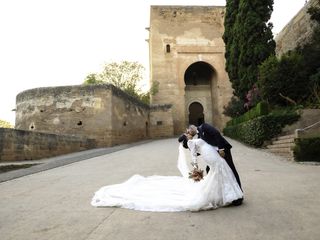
(302, 131)
(311, 126)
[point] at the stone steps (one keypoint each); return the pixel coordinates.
(282, 153)
(280, 150)
(282, 146)
(283, 141)
(291, 136)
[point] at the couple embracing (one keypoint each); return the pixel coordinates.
(220, 187)
(206, 141)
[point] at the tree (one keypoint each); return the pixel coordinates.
(281, 80)
(230, 37)
(249, 41)
(124, 75)
(295, 77)
(314, 12)
(235, 108)
(92, 78)
(5, 124)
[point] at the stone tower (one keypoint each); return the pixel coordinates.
(187, 61)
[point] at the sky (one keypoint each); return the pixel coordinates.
(59, 42)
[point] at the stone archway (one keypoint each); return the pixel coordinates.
(196, 115)
(199, 73)
(198, 79)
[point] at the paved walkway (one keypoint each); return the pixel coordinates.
(281, 200)
(58, 161)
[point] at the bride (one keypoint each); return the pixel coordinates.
(176, 193)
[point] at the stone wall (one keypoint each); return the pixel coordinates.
(73, 110)
(161, 122)
(100, 112)
(129, 119)
(18, 145)
(297, 31)
(308, 117)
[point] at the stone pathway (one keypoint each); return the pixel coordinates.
(281, 200)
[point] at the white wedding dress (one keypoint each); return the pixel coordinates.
(176, 193)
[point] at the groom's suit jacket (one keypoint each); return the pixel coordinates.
(212, 136)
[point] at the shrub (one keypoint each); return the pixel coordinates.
(307, 149)
(314, 98)
(255, 131)
(260, 109)
(235, 108)
(252, 97)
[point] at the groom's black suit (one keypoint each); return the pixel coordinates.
(212, 136)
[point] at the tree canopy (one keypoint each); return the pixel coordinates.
(295, 77)
(249, 41)
(5, 124)
(124, 75)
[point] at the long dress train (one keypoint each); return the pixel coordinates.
(176, 193)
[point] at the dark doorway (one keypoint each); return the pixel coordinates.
(199, 73)
(196, 116)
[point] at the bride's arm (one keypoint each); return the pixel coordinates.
(193, 150)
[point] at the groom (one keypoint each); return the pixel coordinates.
(212, 136)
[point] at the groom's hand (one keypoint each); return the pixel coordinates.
(222, 153)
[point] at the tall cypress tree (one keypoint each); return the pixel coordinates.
(230, 39)
(249, 41)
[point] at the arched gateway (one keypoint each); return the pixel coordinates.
(198, 80)
(187, 63)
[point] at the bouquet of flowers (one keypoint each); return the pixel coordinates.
(196, 174)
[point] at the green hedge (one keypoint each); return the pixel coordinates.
(262, 108)
(307, 149)
(256, 131)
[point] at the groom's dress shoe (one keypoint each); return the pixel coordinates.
(237, 202)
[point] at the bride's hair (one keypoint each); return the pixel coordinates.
(192, 129)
